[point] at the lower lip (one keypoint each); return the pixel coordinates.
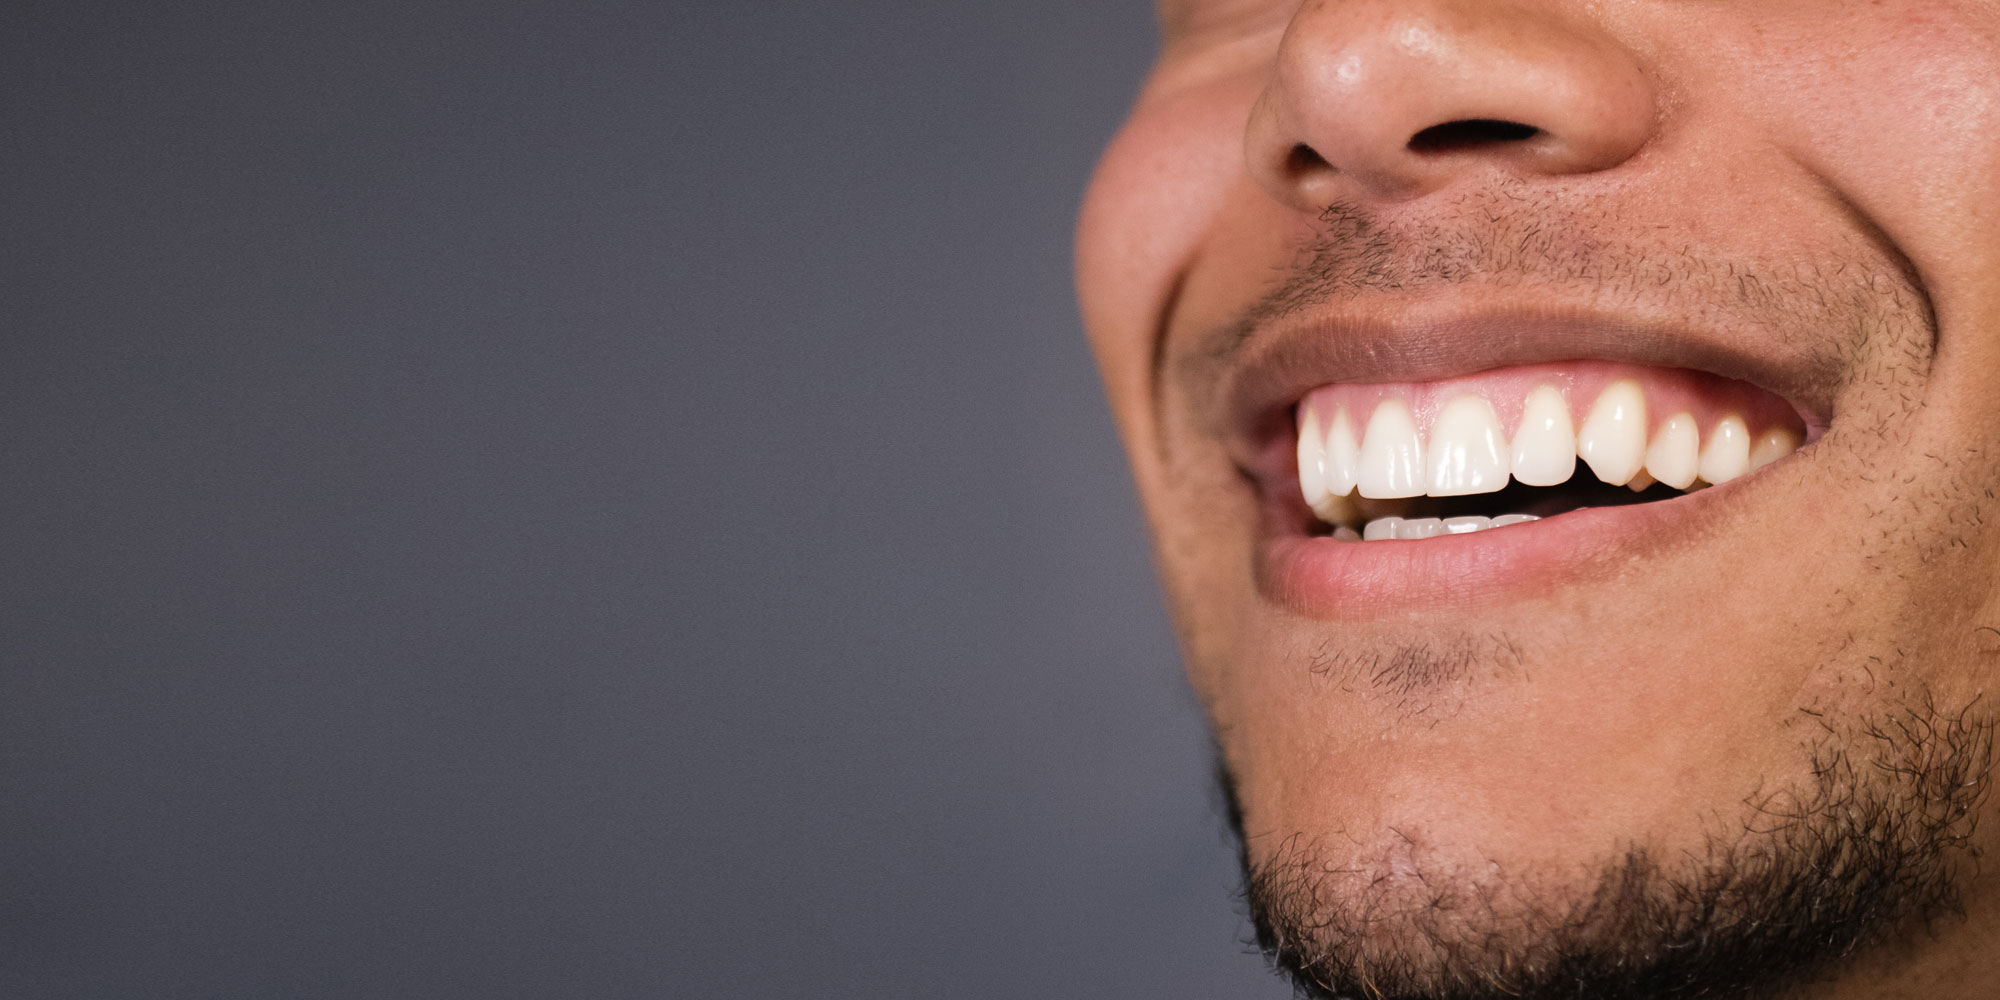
(1322, 577)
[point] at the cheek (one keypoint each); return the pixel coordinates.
(1157, 191)
(1920, 157)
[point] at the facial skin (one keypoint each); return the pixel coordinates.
(1730, 744)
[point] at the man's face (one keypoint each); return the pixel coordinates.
(1723, 734)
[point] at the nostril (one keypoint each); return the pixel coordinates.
(1304, 159)
(1470, 133)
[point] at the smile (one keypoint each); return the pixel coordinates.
(1495, 458)
(1413, 461)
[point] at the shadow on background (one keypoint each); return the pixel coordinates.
(578, 500)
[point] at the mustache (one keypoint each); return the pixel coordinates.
(1509, 240)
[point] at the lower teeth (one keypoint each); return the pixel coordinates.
(1384, 528)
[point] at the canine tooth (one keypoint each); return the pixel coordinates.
(1727, 454)
(1392, 456)
(1346, 534)
(1420, 527)
(1507, 519)
(1613, 439)
(1545, 443)
(1343, 457)
(1775, 444)
(1674, 457)
(1465, 525)
(1380, 529)
(1467, 450)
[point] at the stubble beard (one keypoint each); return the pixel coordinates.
(1865, 841)
(1872, 846)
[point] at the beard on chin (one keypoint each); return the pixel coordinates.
(1871, 844)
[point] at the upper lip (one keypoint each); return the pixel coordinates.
(1274, 366)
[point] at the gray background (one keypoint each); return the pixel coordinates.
(577, 500)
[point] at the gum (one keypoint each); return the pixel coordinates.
(1668, 391)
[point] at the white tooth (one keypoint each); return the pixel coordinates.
(1507, 519)
(1326, 464)
(1346, 534)
(1420, 527)
(1674, 457)
(1312, 458)
(1613, 438)
(1775, 444)
(1392, 456)
(1465, 525)
(1545, 444)
(1379, 529)
(1467, 450)
(1343, 457)
(1727, 453)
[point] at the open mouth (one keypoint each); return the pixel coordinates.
(1409, 461)
(1503, 456)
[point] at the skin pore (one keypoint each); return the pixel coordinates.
(1737, 746)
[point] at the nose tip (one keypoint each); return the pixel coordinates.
(1391, 99)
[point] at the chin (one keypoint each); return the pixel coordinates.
(1405, 886)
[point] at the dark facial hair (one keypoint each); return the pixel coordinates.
(1869, 852)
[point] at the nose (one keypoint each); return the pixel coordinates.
(1393, 99)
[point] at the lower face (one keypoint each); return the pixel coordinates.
(1753, 425)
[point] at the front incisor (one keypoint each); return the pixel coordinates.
(1468, 449)
(1544, 452)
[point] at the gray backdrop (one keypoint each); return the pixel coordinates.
(577, 500)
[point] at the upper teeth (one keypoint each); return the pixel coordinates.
(1544, 444)
(1467, 449)
(1613, 439)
